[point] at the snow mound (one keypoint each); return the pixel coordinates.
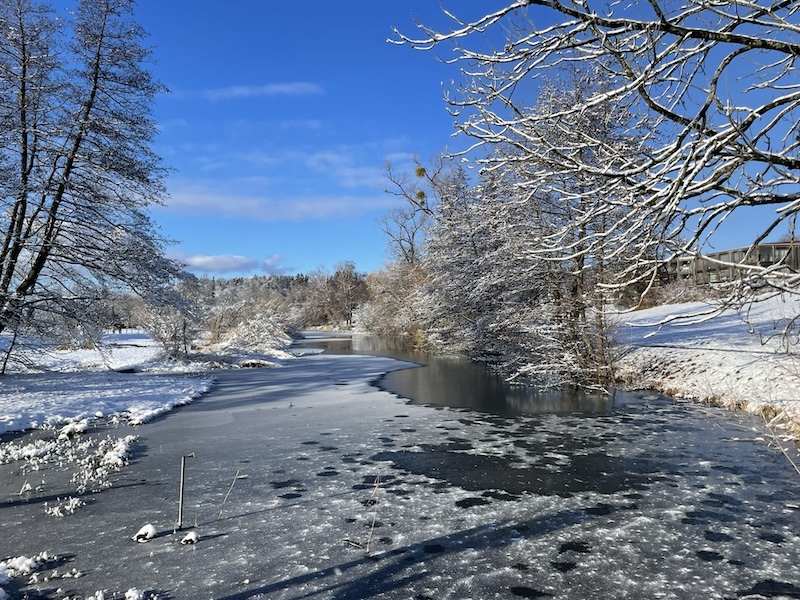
(739, 359)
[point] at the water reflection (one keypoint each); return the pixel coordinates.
(459, 382)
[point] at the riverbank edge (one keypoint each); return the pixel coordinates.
(768, 388)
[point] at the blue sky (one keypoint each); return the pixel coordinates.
(279, 121)
(281, 118)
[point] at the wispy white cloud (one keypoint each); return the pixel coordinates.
(308, 124)
(217, 201)
(231, 263)
(342, 167)
(237, 92)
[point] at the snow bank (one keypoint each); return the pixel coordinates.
(19, 566)
(80, 385)
(738, 359)
(28, 401)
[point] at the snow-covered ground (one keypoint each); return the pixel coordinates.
(737, 359)
(124, 378)
(729, 360)
(308, 482)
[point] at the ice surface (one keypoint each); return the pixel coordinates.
(343, 491)
(306, 481)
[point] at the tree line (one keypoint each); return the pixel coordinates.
(600, 148)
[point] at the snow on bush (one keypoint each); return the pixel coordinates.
(95, 468)
(67, 506)
(73, 428)
(11, 452)
(20, 566)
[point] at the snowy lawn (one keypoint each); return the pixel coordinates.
(88, 384)
(737, 359)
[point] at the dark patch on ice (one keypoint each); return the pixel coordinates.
(526, 592)
(350, 520)
(327, 448)
(460, 439)
(736, 563)
(520, 567)
(386, 540)
(576, 546)
(713, 536)
(291, 496)
(498, 495)
(475, 472)
(407, 429)
(328, 472)
(302, 458)
(563, 566)
(278, 485)
(433, 548)
(600, 509)
(470, 502)
(771, 588)
(310, 443)
(705, 517)
(723, 500)
(775, 538)
(775, 497)
(732, 469)
(709, 555)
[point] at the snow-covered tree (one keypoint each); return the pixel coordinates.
(494, 287)
(78, 171)
(398, 305)
(714, 100)
(332, 299)
(493, 297)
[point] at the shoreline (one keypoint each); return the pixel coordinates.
(737, 361)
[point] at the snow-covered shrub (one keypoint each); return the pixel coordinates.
(20, 566)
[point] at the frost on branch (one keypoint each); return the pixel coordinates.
(714, 105)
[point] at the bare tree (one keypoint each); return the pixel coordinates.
(714, 100)
(347, 290)
(78, 172)
(404, 227)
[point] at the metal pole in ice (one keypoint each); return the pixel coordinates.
(179, 523)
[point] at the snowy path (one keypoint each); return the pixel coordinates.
(655, 500)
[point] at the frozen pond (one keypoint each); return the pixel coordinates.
(687, 495)
(307, 482)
